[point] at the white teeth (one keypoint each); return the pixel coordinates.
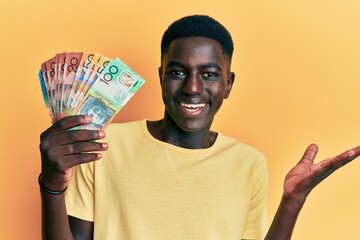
(192, 107)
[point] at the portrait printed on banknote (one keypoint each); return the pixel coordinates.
(98, 110)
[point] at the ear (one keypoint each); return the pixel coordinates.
(160, 75)
(229, 84)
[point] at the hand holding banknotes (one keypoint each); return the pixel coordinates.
(83, 92)
(62, 149)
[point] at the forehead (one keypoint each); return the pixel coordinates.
(193, 49)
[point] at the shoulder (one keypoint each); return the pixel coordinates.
(239, 151)
(125, 135)
(113, 127)
(231, 143)
(123, 129)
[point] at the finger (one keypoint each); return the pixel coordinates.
(82, 158)
(69, 137)
(65, 124)
(69, 161)
(341, 159)
(75, 148)
(354, 153)
(309, 154)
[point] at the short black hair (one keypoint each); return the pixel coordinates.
(198, 26)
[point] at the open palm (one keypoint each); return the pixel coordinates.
(306, 174)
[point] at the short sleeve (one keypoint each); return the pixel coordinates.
(79, 197)
(256, 221)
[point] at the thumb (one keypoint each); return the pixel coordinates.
(309, 154)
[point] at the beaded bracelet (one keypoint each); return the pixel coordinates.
(45, 189)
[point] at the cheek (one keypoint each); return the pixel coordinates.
(217, 94)
(218, 91)
(169, 88)
(167, 92)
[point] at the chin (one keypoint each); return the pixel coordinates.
(192, 126)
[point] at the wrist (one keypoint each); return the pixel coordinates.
(295, 203)
(52, 191)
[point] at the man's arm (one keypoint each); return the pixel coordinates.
(62, 149)
(55, 222)
(80, 228)
(298, 184)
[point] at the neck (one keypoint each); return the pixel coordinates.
(166, 130)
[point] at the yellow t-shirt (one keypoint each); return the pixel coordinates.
(147, 189)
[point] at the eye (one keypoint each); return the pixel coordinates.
(177, 73)
(210, 75)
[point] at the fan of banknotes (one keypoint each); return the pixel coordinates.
(75, 83)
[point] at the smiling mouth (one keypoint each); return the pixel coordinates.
(192, 108)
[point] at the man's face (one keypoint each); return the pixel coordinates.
(195, 78)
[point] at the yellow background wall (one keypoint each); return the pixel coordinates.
(297, 82)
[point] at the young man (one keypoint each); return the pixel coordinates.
(173, 178)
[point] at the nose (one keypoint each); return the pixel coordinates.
(193, 85)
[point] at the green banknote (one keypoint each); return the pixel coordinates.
(109, 94)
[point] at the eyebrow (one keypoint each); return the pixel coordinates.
(202, 66)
